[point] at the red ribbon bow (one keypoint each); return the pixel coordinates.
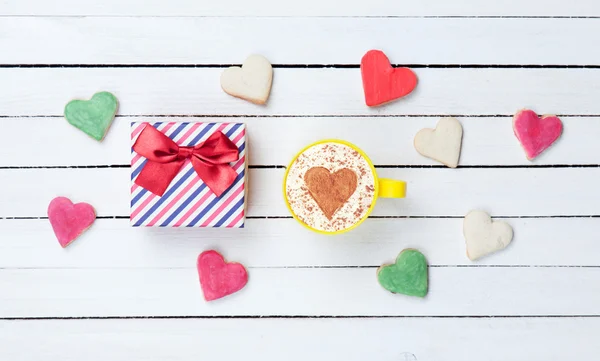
(210, 159)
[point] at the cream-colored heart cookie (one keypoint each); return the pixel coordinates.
(251, 82)
(484, 236)
(442, 143)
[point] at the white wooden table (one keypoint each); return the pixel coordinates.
(120, 293)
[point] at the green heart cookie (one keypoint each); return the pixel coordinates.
(92, 116)
(407, 276)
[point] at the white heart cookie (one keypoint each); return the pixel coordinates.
(251, 82)
(484, 236)
(442, 143)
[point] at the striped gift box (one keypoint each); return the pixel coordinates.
(188, 202)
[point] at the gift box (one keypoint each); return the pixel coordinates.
(187, 174)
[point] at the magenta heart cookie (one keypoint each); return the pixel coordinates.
(536, 134)
(69, 220)
(218, 278)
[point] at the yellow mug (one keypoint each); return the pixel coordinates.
(381, 187)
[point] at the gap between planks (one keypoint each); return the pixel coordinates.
(378, 166)
(308, 66)
(399, 115)
(310, 267)
(564, 17)
(370, 217)
(266, 317)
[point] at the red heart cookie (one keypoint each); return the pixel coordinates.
(218, 278)
(69, 220)
(536, 134)
(383, 83)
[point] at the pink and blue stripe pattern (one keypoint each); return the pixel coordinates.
(188, 202)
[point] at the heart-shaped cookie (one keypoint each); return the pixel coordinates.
(534, 133)
(330, 190)
(251, 82)
(407, 276)
(69, 220)
(383, 83)
(484, 236)
(93, 116)
(442, 143)
(218, 278)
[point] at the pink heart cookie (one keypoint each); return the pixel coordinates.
(218, 278)
(536, 134)
(69, 220)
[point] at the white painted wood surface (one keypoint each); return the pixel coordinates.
(137, 290)
(280, 243)
(322, 8)
(131, 40)
(467, 339)
(481, 291)
(431, 192)
(189, 91)
(488, 141)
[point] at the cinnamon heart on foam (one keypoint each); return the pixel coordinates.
(69, 220)
(382, 82)
(218, 278)
(330, 190)
(536, 134)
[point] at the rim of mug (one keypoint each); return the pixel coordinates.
(373, 171)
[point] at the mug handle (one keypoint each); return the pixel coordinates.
(390, 188)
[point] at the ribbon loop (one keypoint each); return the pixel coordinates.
(165, 158)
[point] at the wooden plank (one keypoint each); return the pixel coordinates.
(428, 339)
(297, 291)
(144, 91)
(306, 8)
(282, 243)
(487, 141)
(131, 40)
(431, 192)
